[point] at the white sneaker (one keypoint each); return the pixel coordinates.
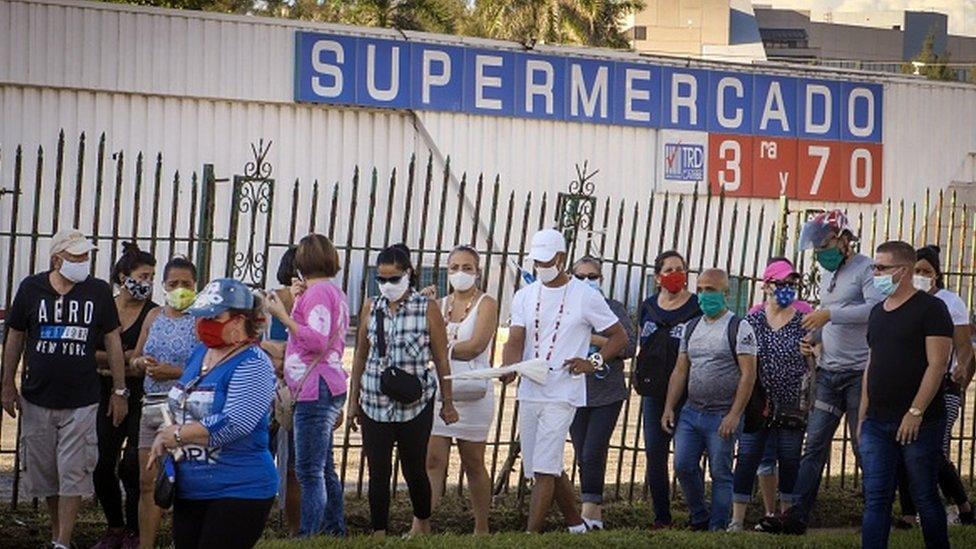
(734, 526)
(592, 524)
(578, 529)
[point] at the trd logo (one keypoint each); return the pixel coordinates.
(684, 162)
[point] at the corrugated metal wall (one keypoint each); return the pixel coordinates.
(211, 78)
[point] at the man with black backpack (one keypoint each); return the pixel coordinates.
(717, 367)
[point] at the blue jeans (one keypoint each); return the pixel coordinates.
(838, 394)
(590, 433)
(657, 445)
(767, 466)
(322, 509)
(881, 455)
(786, 445)
(696, 433)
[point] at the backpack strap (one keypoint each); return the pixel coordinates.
(733, 334)
(689, 328)
(380, 334)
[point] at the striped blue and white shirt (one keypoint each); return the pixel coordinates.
(233, 401)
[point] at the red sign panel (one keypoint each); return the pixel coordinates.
(730, 164)
(861, 172)
(820, 170)
(774, 169)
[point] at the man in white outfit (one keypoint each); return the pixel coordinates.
(552, 319)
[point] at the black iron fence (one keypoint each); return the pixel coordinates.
(240, 225)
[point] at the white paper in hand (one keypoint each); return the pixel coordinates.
(535, 369)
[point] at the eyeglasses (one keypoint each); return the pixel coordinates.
(388, 279)
(785, 284)
(588, 277)
(880, 268)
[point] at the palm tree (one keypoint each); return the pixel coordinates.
(588, 22)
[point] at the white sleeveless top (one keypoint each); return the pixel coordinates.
(458, 332)
(474, 417)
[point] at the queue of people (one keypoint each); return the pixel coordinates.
(232, 396)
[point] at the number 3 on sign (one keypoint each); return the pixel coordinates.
(731, 177)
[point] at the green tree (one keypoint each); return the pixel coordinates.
(586, 22)
(929, 64)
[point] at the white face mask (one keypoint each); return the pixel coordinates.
(547, 274)
(462, 281)
(923, 283)
(75, 272)
(394, 291)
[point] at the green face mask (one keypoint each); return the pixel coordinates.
(711, 303)
(830, 258)
(180, 298)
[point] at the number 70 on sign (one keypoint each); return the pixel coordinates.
(832, 171)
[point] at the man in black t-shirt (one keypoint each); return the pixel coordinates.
(902, 413)
(56, 320)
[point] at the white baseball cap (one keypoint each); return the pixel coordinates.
(546, 244)
(72, 241)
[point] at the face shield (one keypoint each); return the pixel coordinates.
(815, 234)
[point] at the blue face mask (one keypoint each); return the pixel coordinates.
(885, 284)
(785, 296)
(595, 284)
(711, 303)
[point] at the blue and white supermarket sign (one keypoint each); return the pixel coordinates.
(803, 129)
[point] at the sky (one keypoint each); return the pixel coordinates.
(962, 13)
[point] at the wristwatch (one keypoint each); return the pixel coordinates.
(596, 359)
(915, 412)
(124, 393)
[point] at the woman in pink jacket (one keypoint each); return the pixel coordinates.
(313, 371)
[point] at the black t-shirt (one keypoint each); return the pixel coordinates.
(898, 360)
(62, 333)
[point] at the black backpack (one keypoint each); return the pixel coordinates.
(656, 358)
(756, 410)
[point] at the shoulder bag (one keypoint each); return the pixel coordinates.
(396, 383)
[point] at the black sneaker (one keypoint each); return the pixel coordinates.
(700, 527)
(793, 526)
(968, 518)
(770, 525)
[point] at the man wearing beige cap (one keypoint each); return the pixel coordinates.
(55, 321)
(552, 320)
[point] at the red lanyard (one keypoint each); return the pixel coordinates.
(559, 319)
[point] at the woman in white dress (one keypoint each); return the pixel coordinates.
(472, 320)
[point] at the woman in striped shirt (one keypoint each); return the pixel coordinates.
(226, 479)
(413, 333)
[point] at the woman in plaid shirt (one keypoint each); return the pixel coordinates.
(414, 333)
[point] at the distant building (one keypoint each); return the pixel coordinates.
(871, 40)
(705, 29)
(738, 31)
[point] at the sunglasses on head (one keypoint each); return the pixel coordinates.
(588, 277)
(388, 279)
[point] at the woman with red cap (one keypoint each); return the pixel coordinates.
(782, 369)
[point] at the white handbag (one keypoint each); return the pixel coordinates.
(466, 389)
